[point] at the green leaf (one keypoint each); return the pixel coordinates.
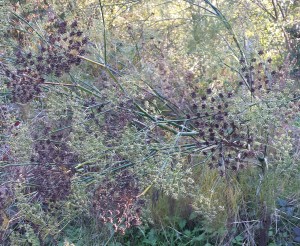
(238, 239)
(193, 215)
(182, 224)
(199, 238)
(187, 233)
(151, 238)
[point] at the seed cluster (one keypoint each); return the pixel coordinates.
(51, 183)
(55, 55)
(53, 151)
(116, 202)
(228, 144)
(221, 139)
(258, 75)
(25, 84)
(65, 43)
(53, 162)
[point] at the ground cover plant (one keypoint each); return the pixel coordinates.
(149, 122)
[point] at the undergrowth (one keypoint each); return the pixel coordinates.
(110, 137)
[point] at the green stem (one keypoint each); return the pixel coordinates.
(104, 32)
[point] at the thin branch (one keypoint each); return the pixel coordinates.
(261, 6)
(61, 84)
(275, 9)
(281, 11)
(201, 7)
(104, 31)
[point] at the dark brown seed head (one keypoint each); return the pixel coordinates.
(193, 94)
(62, 30)
(39, 58)
(201, 133)
(19, 54)
(74, 24)
(85, 40)
(81, 52)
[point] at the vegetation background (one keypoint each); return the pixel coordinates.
(150, 122)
